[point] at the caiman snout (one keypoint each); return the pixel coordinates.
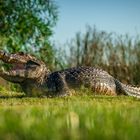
(13, 58)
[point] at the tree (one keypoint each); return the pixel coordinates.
(26, 25)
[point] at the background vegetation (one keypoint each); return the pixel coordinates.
(28, 25)
(117, 54)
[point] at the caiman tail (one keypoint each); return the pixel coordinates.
(127, 89)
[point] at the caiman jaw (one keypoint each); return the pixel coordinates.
(18, 61)
(25, 67)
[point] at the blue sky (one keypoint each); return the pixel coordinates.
(120, 16)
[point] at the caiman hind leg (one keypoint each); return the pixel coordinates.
(102, 88)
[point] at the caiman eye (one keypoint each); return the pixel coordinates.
(31, 64)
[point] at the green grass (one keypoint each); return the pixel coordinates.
(70, 118)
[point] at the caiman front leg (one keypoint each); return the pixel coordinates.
(57, 85)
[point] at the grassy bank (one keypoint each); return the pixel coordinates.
(77, 117)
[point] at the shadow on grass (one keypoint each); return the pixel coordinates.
(14, 96)
(11, 94)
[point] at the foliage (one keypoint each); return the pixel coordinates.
(26, 25)
(119, 55)
(72, 118)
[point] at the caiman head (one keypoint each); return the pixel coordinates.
(24, 66)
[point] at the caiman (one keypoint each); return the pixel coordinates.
(36, 79)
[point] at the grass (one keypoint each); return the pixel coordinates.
(70, 118)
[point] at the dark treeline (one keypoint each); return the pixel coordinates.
(119, 55)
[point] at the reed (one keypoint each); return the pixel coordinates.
(117, 54)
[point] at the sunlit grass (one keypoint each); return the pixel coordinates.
(76, 117)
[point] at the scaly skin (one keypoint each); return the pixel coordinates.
(37, 80)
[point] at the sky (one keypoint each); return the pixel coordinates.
(119, 16)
